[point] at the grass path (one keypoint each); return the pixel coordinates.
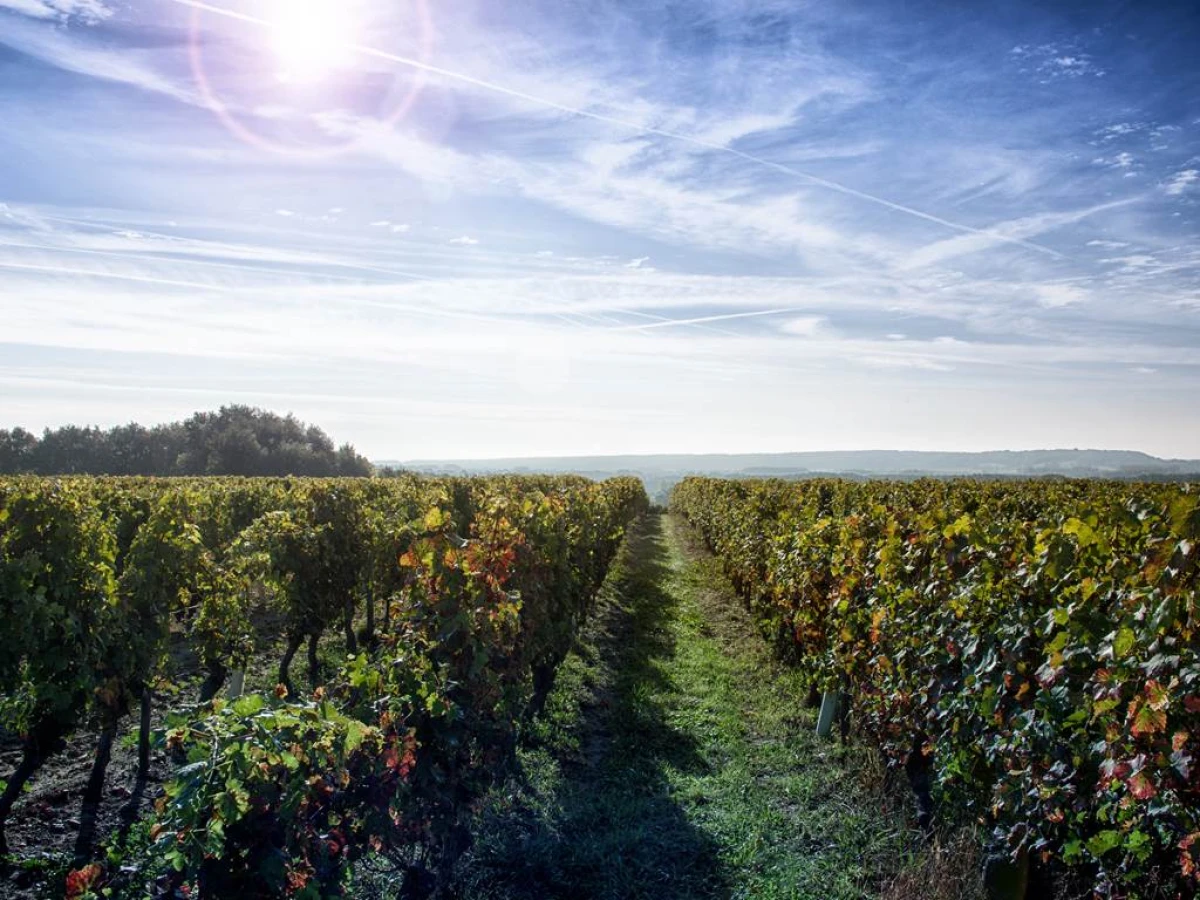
(676, 761)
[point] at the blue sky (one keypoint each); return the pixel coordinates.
(470, 229)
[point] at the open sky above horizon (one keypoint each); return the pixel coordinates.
(467, 229)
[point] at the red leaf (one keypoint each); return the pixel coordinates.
(1142, 787)
(80, 881)
(1157, 697)
(1146, 719)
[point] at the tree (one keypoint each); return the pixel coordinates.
(16, 451)
(237, 440)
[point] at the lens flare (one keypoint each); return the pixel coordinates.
(311, 44)
(312, 39)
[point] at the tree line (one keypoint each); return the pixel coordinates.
(237, 440)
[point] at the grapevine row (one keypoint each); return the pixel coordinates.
(1029, 650)
(457, 599)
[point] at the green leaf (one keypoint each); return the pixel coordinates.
(1138, 843)
(1185, 516)
(355, 732)
(1100, 707)
(248, 705)
(1104, 842)
(1082, 530)
(960, 527)
(1072, 851)
(1076, 718)
(1124, 642)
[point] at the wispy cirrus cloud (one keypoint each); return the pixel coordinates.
(1057, 60)
(852, 208)
(63, 49)
(1122, 160)
(86, 10)
(1028, 227)
(1181, 182)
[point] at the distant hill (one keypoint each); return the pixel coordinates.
(661, 471)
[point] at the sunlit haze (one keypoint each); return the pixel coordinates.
(474, 229)
(312, 39)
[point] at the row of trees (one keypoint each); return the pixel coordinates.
(238, 440)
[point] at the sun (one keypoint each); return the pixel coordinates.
(311, 39)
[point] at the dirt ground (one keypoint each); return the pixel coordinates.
(45, 821)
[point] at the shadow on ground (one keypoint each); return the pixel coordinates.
(591, 813)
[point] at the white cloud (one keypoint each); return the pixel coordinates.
(580, 375)
(26, 219)
(1074, 65)
(1056, 61)
(285, 213)
(649, 201)
(734, 128)
(87, 10)
(1053, 296)
(1161, 137)
(393, 227)
(905, 361)
(1007, 232)
(1119, 130)
(62, 48)
(1181, 181)
(1133, 261)
(805, 326)
(1123, 160)
(843, 301)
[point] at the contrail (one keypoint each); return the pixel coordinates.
(724, 317)
(667, 320)
(215, 247)
(634, 126)
(197, 262)
(117, 276)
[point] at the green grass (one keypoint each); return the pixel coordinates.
(675, 761)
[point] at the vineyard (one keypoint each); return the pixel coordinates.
(452, 602)
(1026, 652)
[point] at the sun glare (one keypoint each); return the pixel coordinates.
(311, 39)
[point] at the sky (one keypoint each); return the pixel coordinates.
(467, 229)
